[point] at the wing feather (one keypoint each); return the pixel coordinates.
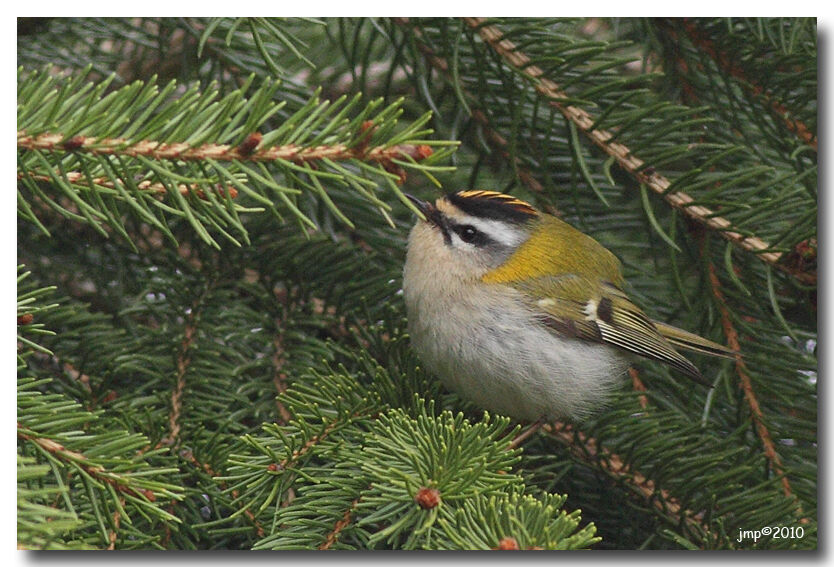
(570, 305)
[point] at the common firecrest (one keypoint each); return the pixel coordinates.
(521, 313)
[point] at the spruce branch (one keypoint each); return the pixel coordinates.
(260, 481)
(46, 429)
(32, 531)
(735, 69)
(308, 445)
(517, 521)
(280, 378)
(731, 334)
(79, 178)
(183, 361)
(29, 309)
(588, 450)
(340, 525)
(98, 472)
(384, 155)
(629, 162)
(215, 476)
(117, 522)
(266, 36)
(195, 145)
(492, 136)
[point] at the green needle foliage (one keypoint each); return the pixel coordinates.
(212, 349)
(192, 134)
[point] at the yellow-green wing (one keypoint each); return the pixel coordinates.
(571, 305)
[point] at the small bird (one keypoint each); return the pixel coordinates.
(524, 315)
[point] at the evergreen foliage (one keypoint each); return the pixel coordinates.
(212, 346)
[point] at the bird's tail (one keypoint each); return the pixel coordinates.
(690, 341)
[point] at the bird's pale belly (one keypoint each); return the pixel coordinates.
(506, 363)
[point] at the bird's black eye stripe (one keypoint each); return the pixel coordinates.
(470, 234)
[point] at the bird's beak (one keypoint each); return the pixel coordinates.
(428, 209)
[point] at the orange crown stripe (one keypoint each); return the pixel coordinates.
(508, 200)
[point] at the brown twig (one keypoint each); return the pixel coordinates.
(117, 521)
(494, 37)
(279, 359)
(150, 149)
(309, 444)
(526, 434)
(280, 378)
(339, 526)
(78, 178)
(745, 383)
(183, 362)
(639, 386)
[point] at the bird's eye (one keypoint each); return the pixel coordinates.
(467, 233)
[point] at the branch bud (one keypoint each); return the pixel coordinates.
(427, 498)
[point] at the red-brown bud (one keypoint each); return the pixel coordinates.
(74, 143)
(248, 146)
(427, 498)
(507, 543)
(423, 152)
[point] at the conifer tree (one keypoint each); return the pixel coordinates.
(212, 344)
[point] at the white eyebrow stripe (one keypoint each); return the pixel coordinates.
(504, 233)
